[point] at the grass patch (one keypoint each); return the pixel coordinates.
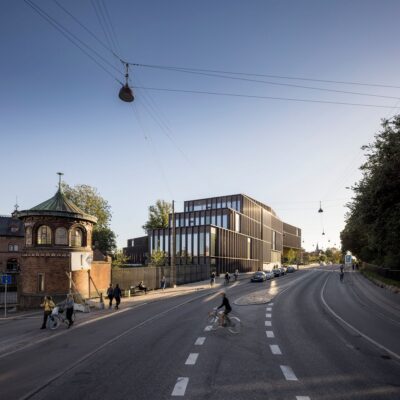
(375, 276)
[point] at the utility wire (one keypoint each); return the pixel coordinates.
(262, 97)
(276, 83)
(65, 32)
(266, 75)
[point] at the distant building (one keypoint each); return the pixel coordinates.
(223, 233)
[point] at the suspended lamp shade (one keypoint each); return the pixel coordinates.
(320, 208)
(126, 94)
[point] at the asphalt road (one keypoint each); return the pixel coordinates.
(317, 338)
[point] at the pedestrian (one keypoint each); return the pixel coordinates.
(353, 265)
(69, 309)
(227, 278)
(163, 282)
(48, 305)
(110, 295)
(212, 279)
(117, 296)
(236, 274)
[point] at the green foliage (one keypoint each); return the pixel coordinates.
(90, 201)
(291, 256)
(372, 228)
(158, 258)
(158, 215)
(104, 239)
(119, 259)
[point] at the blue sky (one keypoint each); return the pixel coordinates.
(60, 111)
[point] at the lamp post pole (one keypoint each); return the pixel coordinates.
(172, 272)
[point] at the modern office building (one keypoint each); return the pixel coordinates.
(225, 233)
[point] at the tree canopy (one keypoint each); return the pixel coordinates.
(89, 200)
(158, 215)
(372, 229)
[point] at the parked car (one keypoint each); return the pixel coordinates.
(259, 276)
(277, 272)
(269, 274)
(290, 269)
(283, 269)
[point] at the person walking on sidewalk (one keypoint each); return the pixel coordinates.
(117, 296)
(163, 282)
(48, 305)
(212, 279)
(69, 309)
(110, 295)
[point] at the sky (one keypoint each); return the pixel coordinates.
(59, 110)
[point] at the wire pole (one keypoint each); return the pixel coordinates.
(172, 272)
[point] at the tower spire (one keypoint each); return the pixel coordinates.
(60, 174)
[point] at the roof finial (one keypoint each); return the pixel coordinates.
(16, 203)
(60, 174)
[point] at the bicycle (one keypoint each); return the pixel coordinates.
(341, 276)
(56, 318)
(217, 319)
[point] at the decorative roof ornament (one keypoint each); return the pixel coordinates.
(320, 208)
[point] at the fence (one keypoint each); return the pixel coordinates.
(386, 272)
(12, 298)
(151, 276)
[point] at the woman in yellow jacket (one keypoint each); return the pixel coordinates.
(48, 305)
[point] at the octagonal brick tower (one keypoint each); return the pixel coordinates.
(58, 245)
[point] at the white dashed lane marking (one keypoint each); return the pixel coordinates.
(268, 315)
(268, 323)
(200, 341)
(269, 308)
(208, 328)
(288, 373)
(302, 398)
(270, 304)
(275, 349)
(269, 334)
(180, 386)
(191, 360)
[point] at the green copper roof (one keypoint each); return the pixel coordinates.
(58, 205)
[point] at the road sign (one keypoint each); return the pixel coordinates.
(6, 279)
(348, 259)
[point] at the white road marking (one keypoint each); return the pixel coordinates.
(269, 308)
(180, 386)
(288, 373)
(302, 398)
(268, 315)
(191, 360)
(269, 334)
(208, 328)
(270, 304)
(392, 353)
(275, 349)
(200, 341)
(268, 323)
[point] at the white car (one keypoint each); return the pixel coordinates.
(269, 274)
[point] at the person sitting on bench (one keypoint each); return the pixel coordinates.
(142, 286)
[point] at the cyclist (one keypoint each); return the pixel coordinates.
(69, 307)
(227, 278)
(228, 309)
(341, 272)
(212, 279)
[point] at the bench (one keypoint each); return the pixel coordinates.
(136, 290)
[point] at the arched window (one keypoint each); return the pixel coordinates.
(76, 237)
(61, 236)
(44, 235)
(28, 236)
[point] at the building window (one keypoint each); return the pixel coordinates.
(189, 244)
(166, 244)
(14, 229)
(195, 244)
(213, 241)
(225, 221)
(44, 235)
(273, 240)
(28, 236)
(201, 244)
(12, 264)
(248, 248)
(183, 244)
(12, 247)
(40, 282)
(61, 236)
(237, 222)
(76, 237)
(207, 253)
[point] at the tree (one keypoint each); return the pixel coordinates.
(158, 215)
(372, 227)
(158, 258)
(104, 239)
(89, 200)
(119, 259)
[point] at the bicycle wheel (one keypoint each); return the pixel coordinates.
(235, 325)
(53, 322)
